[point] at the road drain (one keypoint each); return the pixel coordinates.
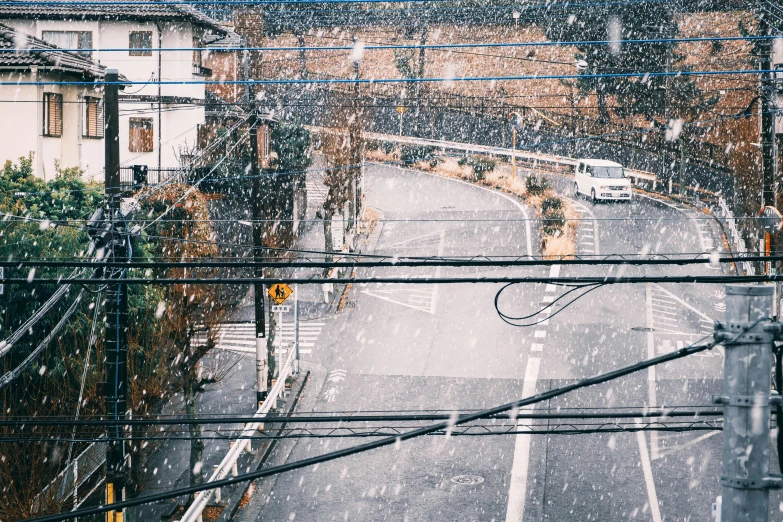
(642, 329)
(467, 480)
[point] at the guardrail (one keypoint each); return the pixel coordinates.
(229, 462)
(75, 475)
(736, 237)
(536, 157)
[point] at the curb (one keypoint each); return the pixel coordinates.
(262, 453)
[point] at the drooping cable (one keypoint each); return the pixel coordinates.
(391, 441)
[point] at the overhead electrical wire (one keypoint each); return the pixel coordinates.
(383, 47)
(341, 417)
(383, 431)
(608, 280)
(393, 440)
(444, 80)
(487, 261)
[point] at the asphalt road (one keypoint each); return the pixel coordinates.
(444, 347)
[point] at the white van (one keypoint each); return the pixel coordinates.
(601, 179)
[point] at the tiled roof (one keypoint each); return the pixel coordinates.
(229, 40)
(107, 10)
(54, 60)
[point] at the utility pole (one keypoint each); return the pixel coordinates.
(262, 361)
(116, 320)
(747, 369)
(769, 153)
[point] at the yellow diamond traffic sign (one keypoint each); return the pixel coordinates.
(401, 109)
(279, 292)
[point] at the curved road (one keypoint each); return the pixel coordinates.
(399, 347)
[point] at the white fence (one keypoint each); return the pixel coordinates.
(229, 462)
(535, 157)
(78, 471)
(736, 238)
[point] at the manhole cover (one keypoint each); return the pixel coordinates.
(642, 329)
(468, 480)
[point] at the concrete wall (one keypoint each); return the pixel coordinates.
(179, 123)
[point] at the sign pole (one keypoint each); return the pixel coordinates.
(514, 153)
(296, 329)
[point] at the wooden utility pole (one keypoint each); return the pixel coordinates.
(769, 153)
(257, 203)
(116, 322)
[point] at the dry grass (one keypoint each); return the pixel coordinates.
(379, 155)
(212, 513)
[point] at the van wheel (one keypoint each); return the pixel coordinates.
(576, 190)
(592, 196)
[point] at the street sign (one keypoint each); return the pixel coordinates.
(281, 308)
(279, 292)
(401, 109)
(770, 220)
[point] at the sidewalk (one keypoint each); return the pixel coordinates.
(168, 467)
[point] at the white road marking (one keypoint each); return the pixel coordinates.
(240, 337)
(548, 299)
(537, 347)
(652, 496)
(680, 447)
(592, 227)
(550, 288)
(517, 491)
(437, 272)
(706, 242)
(554, 271)
(540, 334)
(520, 206)
(651, 395)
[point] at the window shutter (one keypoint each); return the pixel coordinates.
(53, 114)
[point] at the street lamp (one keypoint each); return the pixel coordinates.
(515, 14)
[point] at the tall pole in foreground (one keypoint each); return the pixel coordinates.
(256, 197)
(746, 409)
(769, 153)
(116, 325)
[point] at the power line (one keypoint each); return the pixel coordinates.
(390, 431)
(325, 417)
(446, 46)
(445, 80)
(389, 441)
(394, 263)
(581, 280)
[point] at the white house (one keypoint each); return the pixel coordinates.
(158, 123)
(60, 124)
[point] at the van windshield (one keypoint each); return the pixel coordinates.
(608, 172)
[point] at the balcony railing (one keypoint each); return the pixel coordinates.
(200, 70)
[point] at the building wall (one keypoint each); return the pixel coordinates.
(225, 67)
(179, 123)
(25, 132)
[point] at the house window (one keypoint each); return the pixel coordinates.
(263, 146)
(141, 138)
(93, 117)
(140, 43)
(198, 59)
(53, 114)
(70, 40)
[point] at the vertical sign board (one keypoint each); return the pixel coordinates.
(2, 275)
